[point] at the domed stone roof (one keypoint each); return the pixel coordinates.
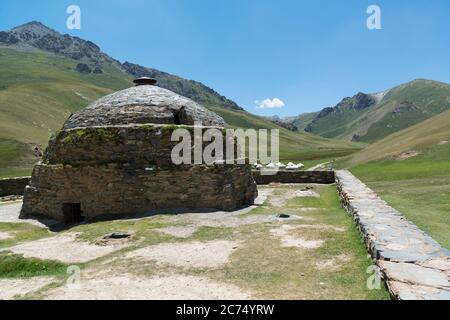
(114, 158)
(143, 104)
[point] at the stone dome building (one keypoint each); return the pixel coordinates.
(114, 158)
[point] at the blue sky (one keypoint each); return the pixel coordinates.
(307, 54)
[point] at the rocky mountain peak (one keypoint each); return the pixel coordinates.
(36, 35)
(90, 59)
(32, 31)
(357, 102)
(188, 88)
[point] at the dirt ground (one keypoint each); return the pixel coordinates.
(6, 235)
(210, 254)
(18, 287)
(216, 255)
(130, 287)
(65, 248)
(179, 232)
(407, 155)
(286, 238)
(9, 213)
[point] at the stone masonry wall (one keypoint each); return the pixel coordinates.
(137, 145)
(116, 189)
(323, 177)
(13, 186)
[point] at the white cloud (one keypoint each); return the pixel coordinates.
(274, 103)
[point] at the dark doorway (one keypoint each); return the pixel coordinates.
(179, 116)
(72, 213)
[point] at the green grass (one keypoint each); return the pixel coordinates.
(144, 232)
(16, 158)
(328, 200)
(206, 233)
(16, 266)
(418, 187)
(9, 172)
(434, 162)
(38, 91)
(22, 232)
(11, 150)
(275, 272)
(141, 229)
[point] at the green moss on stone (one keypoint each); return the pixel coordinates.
(168, 129)
(80, 132)
(149, 128)
(91, 134)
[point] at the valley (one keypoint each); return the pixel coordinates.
(41, 85)
(283, 240)
(411, 171)
(36, 100)
(371, 117)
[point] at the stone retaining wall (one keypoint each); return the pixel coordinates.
(115, 189)
(13, 186)
(120, 170)
(414, 266)
(285, 176)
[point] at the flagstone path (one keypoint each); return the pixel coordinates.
(413, 264)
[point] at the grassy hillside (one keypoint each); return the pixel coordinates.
(418, 185)
(394, 110)
(427, 136)
(294, 146)
(39, 90)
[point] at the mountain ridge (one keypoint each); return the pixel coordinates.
(371, 117)
(354, 118)
(192, 89)
(40, 89)
(91, 59)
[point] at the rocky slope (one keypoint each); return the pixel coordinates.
(358, 102)
(301, 121)
(36, 35)
(188, 88)
(289, 125)
(371, 117)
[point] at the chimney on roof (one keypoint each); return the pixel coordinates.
(145, 81)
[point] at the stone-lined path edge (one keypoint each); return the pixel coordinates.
(414, 266)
